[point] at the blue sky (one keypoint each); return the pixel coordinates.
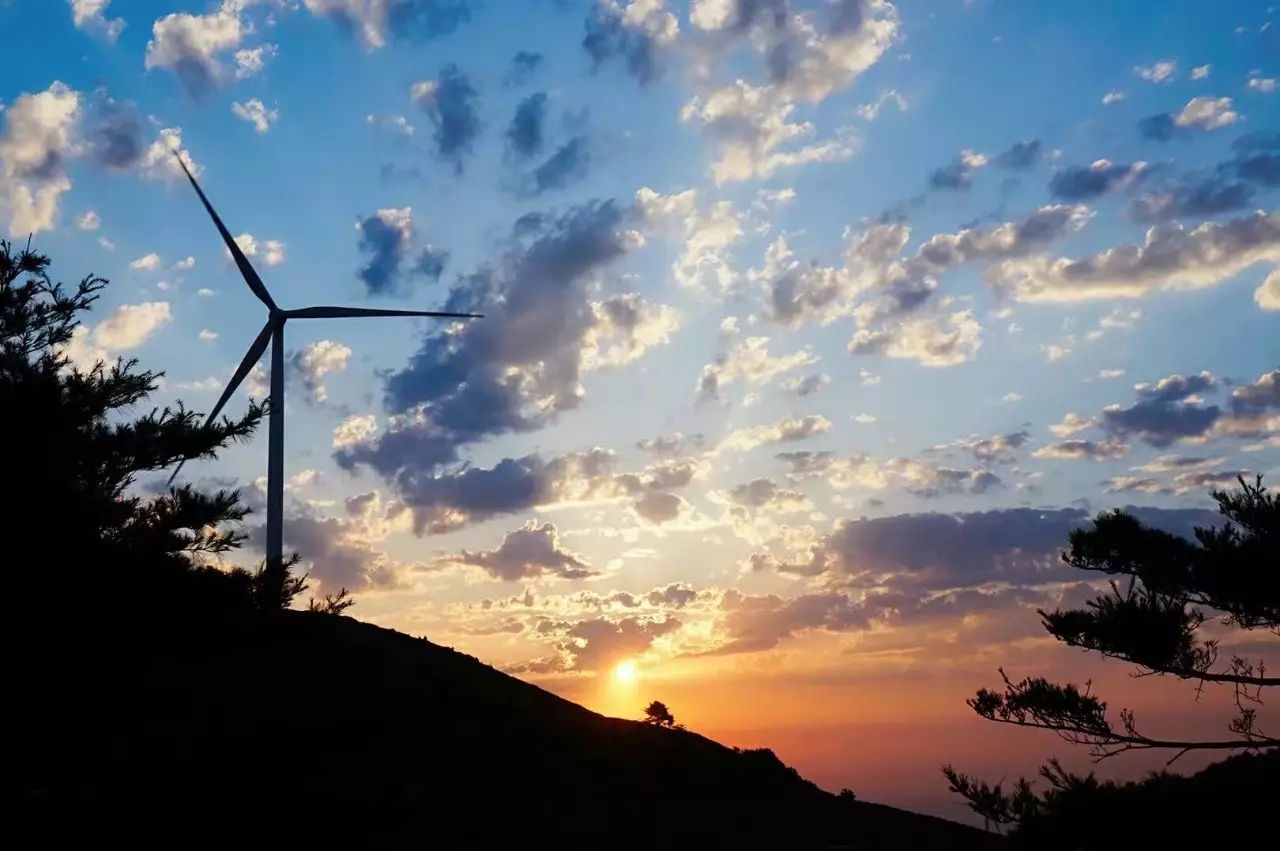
(709, 224)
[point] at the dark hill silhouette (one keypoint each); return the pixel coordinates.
(299, 725)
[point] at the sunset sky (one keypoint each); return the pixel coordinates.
(812, 328)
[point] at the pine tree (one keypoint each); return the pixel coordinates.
(1164, 590)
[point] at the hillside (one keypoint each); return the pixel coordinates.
(324, 730)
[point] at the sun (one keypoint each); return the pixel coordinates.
(625, 672)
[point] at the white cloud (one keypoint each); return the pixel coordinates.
(39, 136)
(127, 327)
(786, 430)
(870, 111)
(1171, 257)
(313, 363)
(626, 326)
(272, 250)
(356, 428)
(1267, 295)
(88, 220)
(159, 163)
(1207, 113)
(207, 335)
(256, 113)
(190, 45)
(863, 419)
(1113, 96)
(752, 126)
(1160, 72)
(941, 341)
(91, 15)
(204, 292)
(250, 61)
(1263, 85)
(748, 361)
(106, 244)
(1200, 72)
(186, 264)
(147, 262)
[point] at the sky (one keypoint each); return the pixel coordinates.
(812, 328)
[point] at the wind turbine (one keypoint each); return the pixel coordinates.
(273, 332)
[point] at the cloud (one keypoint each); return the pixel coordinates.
(1197, 481)
(765, 494)
(1164, 412)
(752, 623)
(148, 262)
(38, 138)
(1160, 72)
(1021, 155)
(313, 363)
(127, 327)
(1205, 197)
(1257, 158)
(1203, 113)
(748, 361)
(92, 15)
(671, 444)
(785, 430)
(271, 250)
(524, 64)
(1113, 96)
(752, 128)
(378, 22)
(88, 220)
(890, 286)
(1079, 448)
(1171, 257)
(871, 111)
(1263, 85)
(601, 643)
(946, 341)
(1267, 295)
(1078, 183)
(958, 175)
(806, 385)
(659, 507)
(521, 367)
(190, 45)
(632, 32)
(450, 102)
(704, 263)
(388, 239)
(115, 134)
(524, 133)
(353, 430)
(626, 326)
(568, 164)
(1201, 72)
(530, 552)
(256, 113)
(158, 160)
(251, 60)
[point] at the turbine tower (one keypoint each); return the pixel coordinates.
(273, 332)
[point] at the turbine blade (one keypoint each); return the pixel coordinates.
(250, 359)
(242, 263)
(346, 312)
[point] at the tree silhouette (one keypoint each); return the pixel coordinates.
(76, 451)
(1166, 588)
(659, 715)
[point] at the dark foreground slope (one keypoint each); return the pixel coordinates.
(308, 729)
